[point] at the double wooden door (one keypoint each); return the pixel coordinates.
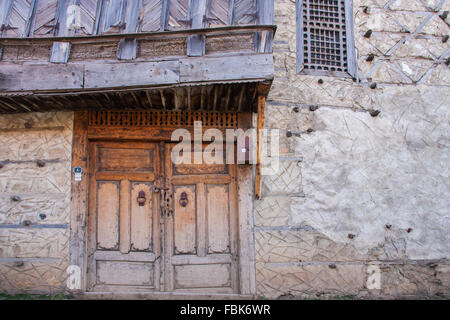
(157, 226)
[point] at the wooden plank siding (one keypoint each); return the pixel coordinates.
(27, 18)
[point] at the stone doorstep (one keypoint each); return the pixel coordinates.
(159, 296)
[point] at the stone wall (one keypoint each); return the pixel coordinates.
(35, 173)
(360, 206)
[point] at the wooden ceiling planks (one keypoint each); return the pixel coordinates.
(231, 97)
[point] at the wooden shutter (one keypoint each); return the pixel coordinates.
(325, 41)
(16, 17)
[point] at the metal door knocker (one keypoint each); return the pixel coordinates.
(141, 198)
(183, 199)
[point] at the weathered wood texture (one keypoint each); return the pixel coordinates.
(213, 98)
(144, 74)
(123, 247)
(79, 200)
(201, 232)
(25, 18)
(69, 86)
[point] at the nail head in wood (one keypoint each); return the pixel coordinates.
(310, 130)
(288, 134)
(409, 230)
(332, 266)
(373, 85)
(313, 108)
(388, 226)
(320, 81)
(351, 236)
(296, 109)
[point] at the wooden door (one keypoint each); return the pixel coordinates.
(124, 246)
(200, 228)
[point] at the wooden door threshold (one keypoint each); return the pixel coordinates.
(160, 296)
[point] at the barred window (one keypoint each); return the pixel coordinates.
(325, 38)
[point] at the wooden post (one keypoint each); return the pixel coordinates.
(196, 43)
(264, 39)
(260, 127)
(79, 202)
(245, 184)
(165, 14)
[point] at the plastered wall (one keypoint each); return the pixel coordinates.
(35, 172)
(360, 206)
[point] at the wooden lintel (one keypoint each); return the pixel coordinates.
(231, 30)
(80, 77)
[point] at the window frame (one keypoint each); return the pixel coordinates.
(352, 67)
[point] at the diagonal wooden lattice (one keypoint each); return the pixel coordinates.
(151, 15)
(161, 119)
(44, 24)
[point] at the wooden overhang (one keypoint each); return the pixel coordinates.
(235, 68)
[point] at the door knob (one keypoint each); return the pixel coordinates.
(141, 198)
(183, 199)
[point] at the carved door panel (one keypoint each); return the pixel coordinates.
(200, 228)
(143, 237)
(124, 217)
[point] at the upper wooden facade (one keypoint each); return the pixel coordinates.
(144, 54)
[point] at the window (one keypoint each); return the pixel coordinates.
(325, 40)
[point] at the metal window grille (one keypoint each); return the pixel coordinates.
(325, 37)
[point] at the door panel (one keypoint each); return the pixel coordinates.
(107, 215)
(124, 234)
(141, 219)
(217, 197)
(185, 222)
(197, 212)
(200, 232)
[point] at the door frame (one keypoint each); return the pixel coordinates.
(245, 175)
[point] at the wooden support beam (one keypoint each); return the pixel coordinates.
(95, 75)
(265, 9)
(231, 13)
(64, 17)
(165, 13)
(127, 49)
(197, 12)
(5, 9)
(79, 196)
(31, 18)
